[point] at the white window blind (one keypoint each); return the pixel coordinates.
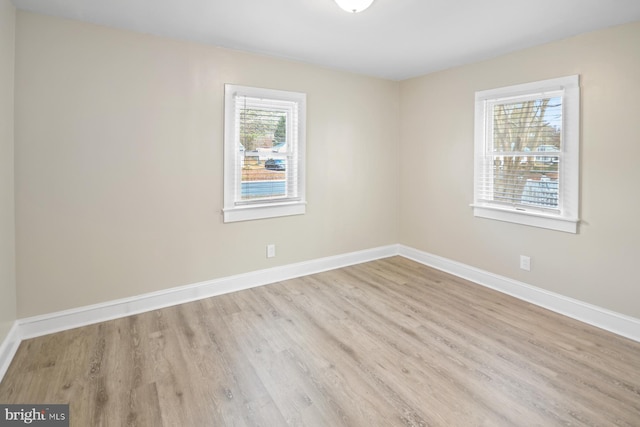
(526, 154)
(523, 152)
(264, 153)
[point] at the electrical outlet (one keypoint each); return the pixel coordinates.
(271, 251)
(525, 263)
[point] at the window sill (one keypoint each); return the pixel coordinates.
(251, 212)
(530, 218)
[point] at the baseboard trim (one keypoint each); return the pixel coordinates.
(31, 327)
(8, 348)
(602, 318)
(63, 320)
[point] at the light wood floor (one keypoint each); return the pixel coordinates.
(386, 343)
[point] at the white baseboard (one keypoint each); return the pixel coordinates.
(63, 320)
(8, 348)
(602, 318)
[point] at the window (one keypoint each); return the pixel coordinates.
(264, 140)
(526, 154)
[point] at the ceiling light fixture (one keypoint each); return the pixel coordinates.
(354, 6)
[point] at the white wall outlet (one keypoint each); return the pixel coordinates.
(525, 263)
(271, 251)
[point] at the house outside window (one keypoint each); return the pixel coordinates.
(264, 153)
(527, 154)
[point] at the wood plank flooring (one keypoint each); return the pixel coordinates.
(385, 343)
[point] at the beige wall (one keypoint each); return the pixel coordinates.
(7, 222)
(119, 166)
(598, 264)
(119, 143)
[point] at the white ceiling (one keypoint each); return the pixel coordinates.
(394, 39)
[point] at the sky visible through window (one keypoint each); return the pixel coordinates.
(553, 113)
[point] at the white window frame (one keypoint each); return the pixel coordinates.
(566, 219)
(293, 204)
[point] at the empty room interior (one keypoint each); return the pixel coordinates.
(303, 213)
